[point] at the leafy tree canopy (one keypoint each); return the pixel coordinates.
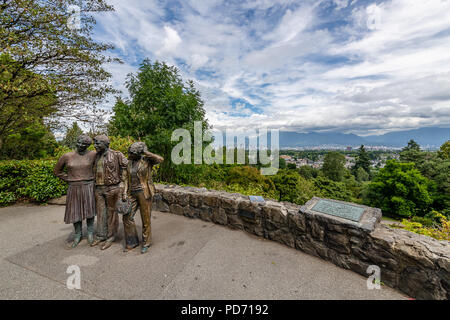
(308, 172)
(160, 102)
(434, 166)
(332, 189)
(291, 166)
(334, 166)
(294, 188)
(49, 57)
(412, 153)
(362, 161)
(32, 142)
(412, 145)
(399, 190)
(70, 139)
(362, 175)
(444, 151)
(25, 97)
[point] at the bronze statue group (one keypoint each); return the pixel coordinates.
(103, 183)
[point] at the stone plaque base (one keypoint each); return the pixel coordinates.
(360, 216)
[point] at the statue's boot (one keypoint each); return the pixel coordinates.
(77, 237)
(97, 241)
(108, 243)
(129, 248)
(90, 230)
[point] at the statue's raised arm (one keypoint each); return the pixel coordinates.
(140, 189)
(152, 157)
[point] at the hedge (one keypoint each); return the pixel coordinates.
(31, 180)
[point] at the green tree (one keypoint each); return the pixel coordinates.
(294, 188)
(51, 56)
(435, 166)
(32, 142)
(332, 189)
(70, 139)
(412, 153)
(25, 97)
(437, 170)
(245, 175)
(362, 161)
(399, 190)
(444, 151)
(282, 163)
(160, 103)
(354, 186)
(291, 166)
(334, 166)
(308, 172)
(412, 145)
(362, 175)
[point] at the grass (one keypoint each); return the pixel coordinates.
(390, 219)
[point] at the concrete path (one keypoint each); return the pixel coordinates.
(190, 259)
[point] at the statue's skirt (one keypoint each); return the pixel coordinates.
(80, 202)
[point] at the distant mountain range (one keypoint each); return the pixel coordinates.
(432, 137)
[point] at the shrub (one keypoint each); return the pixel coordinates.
(115, 143)
(6, 198)
(120, 144)
(35, 141)
(196, 174)
(423, 221)
(61, 150)
(434, 216)
(333, 166)
(441, 232)
(246, 175)
(332, 189)
(29, 180)
(308, 172)
(399, 190)
(294, 188)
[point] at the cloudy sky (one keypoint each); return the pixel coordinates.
(359, 66)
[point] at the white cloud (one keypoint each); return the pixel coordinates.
(198, 61)
(392, 65)
(171, 41)
(340, 4)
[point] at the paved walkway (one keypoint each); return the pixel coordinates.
(190, 259)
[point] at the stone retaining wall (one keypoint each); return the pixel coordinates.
(416, 265)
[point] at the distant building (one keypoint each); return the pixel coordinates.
(349, 161)
(302, 162)
(349, 148)
(286, 157)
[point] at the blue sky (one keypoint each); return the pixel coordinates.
(359, 66)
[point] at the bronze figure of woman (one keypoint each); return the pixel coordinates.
(80, 203)
(140, 189)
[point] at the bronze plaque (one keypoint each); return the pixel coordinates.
(341, 210)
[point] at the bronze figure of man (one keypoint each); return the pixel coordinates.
(110, 175)
(80, 200)
(140, 189)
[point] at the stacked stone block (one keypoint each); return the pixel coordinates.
(417, 265)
